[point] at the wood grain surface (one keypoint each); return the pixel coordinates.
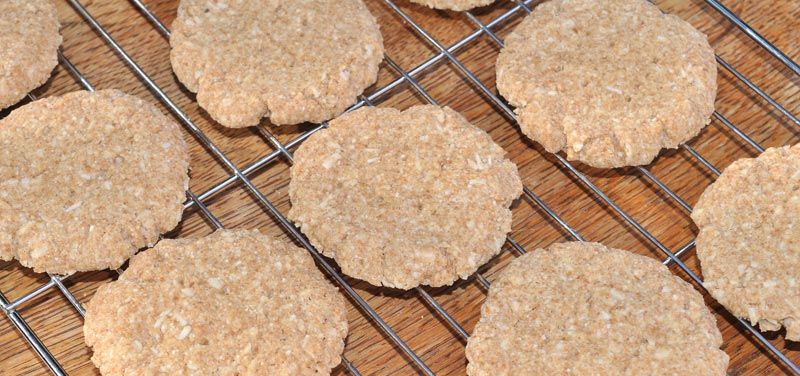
(59, 325)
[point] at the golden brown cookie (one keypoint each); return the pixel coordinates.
(585, 309)
(749, 239)
(456, 5)
(232, 303)
(87, 179)
(29, 41)
(610, 82)
(291, 61)
(402, 199)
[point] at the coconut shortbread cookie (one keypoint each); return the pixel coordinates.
(29, 41)
(610, 82)
(86, 179)
(291, 61)
(232, 303)
(749, 239)
(583, 308)
(402, 199)
(456, 5)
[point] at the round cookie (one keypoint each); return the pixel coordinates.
(293, 61)
(402, 199)
(749, 239)
(456, 5)
(87, 179)
(232, 303)
(29, 41)
(582, 308)
(610, 82)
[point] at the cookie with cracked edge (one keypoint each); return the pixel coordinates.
(749, 239)
(610, 83)
(87, 179)
(29, 41)
(232, 303)
(583, 308)
(404, 198)
(292, 61)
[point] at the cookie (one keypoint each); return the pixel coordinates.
(87, 179)
(29, 41)
(456, 5)
(402, 199)
(586, 309)
(293, 61)
(749, 239)
(610, 83)
(232, 303)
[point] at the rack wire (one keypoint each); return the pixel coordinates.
(446, 55)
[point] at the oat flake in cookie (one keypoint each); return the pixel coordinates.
(402, 199)
(609, 82)
(586, 309)
(232, 303)
(456, 5)
(292, 61)
(86, 179)
(29, 41)
(749, 239)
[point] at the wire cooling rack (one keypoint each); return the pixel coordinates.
(411, 79)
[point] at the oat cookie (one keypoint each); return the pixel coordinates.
(232, 303)
(749, 239)
(87, 179)
(609, 82)
(29, 41)
(293, 61)
(586, 309)
(402, 199)
(456, 5)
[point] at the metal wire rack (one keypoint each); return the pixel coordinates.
(445, 54)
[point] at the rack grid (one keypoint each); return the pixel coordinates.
(446, 55)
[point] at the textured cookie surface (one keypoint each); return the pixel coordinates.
(293, 61)
(233, 303)
(404, 198)
(457, 5)
(585, 309)
(610, 82)
(749, 239)
(29, 41)
(87, 179)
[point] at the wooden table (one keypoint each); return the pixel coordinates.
(59, 326)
